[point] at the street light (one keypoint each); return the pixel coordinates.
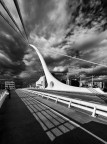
(92, 80)
(92, 76)
(80, 81)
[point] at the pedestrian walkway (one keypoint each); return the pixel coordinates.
(17, 124)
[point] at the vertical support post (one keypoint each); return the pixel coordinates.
(48, 98)
(56, 100)
(80, 81)
(94, 112)
(92, 80)
(68, 81)
(69, 105)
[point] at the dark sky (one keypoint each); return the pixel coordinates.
(57, 27)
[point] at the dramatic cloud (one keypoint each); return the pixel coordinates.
(58, 28)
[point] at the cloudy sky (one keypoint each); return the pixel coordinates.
(76, 28)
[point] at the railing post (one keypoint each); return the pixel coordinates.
(56, 100)
(69, 105)
(94, 112)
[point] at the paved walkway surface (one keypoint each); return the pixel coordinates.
(18, 125)
(24, 121)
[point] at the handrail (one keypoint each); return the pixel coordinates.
(95, 109)
(2, 97)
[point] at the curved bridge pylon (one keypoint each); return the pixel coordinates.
(53, 83)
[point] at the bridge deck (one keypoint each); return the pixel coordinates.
(17, 124)
(41, 126)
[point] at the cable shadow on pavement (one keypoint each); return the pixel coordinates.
(52, 124)
(61, 131)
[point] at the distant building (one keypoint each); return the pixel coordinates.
(10, 84)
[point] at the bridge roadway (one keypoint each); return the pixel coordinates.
(29, 119)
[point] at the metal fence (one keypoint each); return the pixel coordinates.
(95, 109)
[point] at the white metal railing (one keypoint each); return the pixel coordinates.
(95, 109)
(2, 97)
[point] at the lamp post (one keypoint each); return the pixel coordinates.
(80, 81)
(92, 76)
(92, 80)
(68, 81)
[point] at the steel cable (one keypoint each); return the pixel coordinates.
(9, 14)
(20, 16)
(7, 21)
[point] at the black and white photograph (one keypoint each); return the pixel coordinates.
(53, 71)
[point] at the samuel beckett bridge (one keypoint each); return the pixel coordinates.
(58, 114)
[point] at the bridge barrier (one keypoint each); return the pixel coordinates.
(3, 95)
(95, 109)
